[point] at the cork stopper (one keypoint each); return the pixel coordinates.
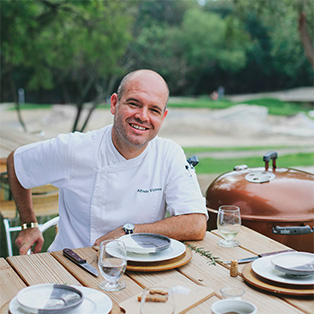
(234, 268)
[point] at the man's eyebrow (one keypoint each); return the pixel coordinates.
(132, 99)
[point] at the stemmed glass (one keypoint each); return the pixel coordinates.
(157, 300)
(229, 224)
(112, 263)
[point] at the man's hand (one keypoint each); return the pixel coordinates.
(27, 238)
(114, 234)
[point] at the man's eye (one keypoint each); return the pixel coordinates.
(155, 111)
(133, 104)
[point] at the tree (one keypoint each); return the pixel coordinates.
(287, 20)
(75, 44)
(186, 51)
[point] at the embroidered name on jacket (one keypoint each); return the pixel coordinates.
(149, 190)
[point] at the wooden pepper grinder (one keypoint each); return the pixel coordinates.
(234, 268)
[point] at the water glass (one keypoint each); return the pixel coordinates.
(112, 263)
(157, 300)
(234, 293)
(228, 224)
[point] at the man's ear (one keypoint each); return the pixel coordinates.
(165, 114)
(113, 103)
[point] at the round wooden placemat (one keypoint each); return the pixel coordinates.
(116, 309)
(268, 285)
(163, 265)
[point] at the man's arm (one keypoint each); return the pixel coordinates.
(181, 227)
(23, 200)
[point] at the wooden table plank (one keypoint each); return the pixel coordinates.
(11, 283)
(173, 278)
(54, 268)
(11, 139)
(217, 277)
(225, 254)
(304, 304)
(256, 242)
(204, 307)
(41, 268)
(91, 281)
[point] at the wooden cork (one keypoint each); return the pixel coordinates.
(234, 269)
(154, 298)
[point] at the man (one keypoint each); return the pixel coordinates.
(116, 180)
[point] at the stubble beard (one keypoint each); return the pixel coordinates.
(123, 137)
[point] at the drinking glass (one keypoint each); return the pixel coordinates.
(228, 224)
(234, 293)
(151, 306)
(112, 263)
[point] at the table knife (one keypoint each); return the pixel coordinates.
(253, 258)
(72, 256)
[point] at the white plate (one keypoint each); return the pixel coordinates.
(47, 298)
(264, 268)
(294, 263)
(145, 243)
(176, 249)
(94, 301)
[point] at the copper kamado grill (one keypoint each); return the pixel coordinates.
(277, 202)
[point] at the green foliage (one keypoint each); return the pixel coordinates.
(278, 107)
(201, 103)
(78, 44)
(189, 151)
(277, 49)
(82, 48)
(221, 165)
(208, 254)
(275, 106)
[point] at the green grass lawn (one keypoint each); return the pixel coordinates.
(221, 165)
(275, 106)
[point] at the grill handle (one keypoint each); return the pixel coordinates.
(292, 230)
(267, 157)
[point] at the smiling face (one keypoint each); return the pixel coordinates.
(139, 112)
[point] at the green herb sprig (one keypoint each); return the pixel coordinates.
(204, 252)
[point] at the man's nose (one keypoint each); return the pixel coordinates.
(142, 114)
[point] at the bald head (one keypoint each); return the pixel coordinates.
(142, 75)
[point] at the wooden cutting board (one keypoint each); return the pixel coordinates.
(183, 302)
(163, 265)
(268, 285)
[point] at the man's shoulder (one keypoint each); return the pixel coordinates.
(98, 133)
(166, 142)
(166, 146)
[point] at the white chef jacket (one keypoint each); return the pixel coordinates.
(100, 190)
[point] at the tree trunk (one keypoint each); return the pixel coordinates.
(305, 38)
(79, 108)
(17, 104)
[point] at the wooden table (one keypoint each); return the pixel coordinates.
(11, 139)
(18, 272)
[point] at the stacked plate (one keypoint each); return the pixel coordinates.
(53, 298)
(151, 247)
(293, 268)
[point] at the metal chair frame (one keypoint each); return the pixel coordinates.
(8, 229)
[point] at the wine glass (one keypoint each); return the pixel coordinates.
(157, 300)
(229, 224)
(112, 263)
